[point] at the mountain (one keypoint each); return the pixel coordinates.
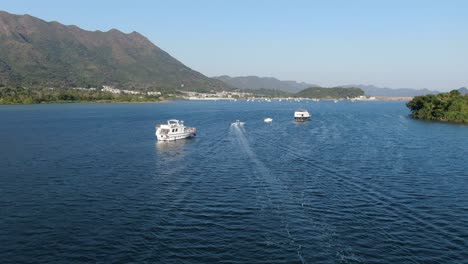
(371, 90)
(255, 82)
(36, 53)
(331, 93)
(463, 90)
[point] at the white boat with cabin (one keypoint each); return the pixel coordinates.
(268, 120)
(173, 130)
(302, 115)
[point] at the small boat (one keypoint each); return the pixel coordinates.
(173, 130)
(239, 123)
(301, 115)
(268, 120)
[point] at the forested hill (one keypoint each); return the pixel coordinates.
(330, 93)
(446, 107)
(36, 53)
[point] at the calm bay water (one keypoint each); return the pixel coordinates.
(360, 183)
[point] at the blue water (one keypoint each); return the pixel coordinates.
(360, 183)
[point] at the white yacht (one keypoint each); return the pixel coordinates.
(173, 130)
(301, 115)
(268, 120)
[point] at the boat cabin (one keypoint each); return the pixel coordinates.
(301, 115)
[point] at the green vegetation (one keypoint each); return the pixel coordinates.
(10, 95)
(37, 54)
(330, 93)
(446, 107)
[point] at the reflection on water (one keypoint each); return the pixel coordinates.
(172, 150)
(299, 124)
(170, 145)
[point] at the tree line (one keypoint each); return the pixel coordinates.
(446, 107)
(19, 95)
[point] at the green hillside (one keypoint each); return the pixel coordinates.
(35, 53)
(330, 93)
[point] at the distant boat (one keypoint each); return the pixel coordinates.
(335, 101)
(301, 115)
(239, 123)
(173, 130)
(268, 120)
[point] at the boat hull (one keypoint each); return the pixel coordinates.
(301, 119)
(174, 137)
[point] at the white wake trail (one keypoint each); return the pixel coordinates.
(274, 185)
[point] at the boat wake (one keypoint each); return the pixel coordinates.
(372, 192)
(274, 190)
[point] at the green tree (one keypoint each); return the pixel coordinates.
(447, 107)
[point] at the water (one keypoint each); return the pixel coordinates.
(360, 183)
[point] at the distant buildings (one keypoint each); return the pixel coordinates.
(130, 92)
(153, 93)
(110, 89)
(224, 95)
(362, 97)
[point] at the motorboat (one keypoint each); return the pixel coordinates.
(301, 115)
(174, 130)
(268, 120)
(239, 123)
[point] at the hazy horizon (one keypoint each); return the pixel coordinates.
(393, 44)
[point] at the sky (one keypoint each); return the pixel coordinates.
(388, 43)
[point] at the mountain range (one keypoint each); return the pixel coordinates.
(36, 53)
(372, 90)
(255, 82)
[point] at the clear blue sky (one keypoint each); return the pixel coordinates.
(412, 43)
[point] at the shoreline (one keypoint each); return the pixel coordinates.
(453, 122)
(393, 98)
(377, 98)
(92, 102)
